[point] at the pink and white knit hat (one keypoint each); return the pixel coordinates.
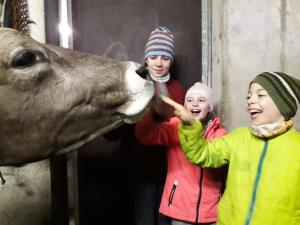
(204, 91)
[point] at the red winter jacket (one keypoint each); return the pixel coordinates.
(143, 159)
(191, 193)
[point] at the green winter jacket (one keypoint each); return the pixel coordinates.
(263, 183)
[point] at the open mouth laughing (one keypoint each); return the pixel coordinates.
(195, 112)
(255, 113)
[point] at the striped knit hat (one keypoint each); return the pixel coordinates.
(283, 89)
(160, 43)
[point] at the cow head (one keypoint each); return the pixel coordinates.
(53, 100)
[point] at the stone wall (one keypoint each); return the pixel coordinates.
(249, 37)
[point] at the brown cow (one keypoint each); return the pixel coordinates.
(54, 100)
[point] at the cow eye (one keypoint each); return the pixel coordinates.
(27, 58)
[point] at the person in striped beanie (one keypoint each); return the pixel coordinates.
(159, 55)
(283, 89)
(161, 43)
(159, 58)
(263, 180)
(151, 166)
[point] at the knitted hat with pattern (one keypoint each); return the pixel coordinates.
(283, 89)
(160, 43)
(204, 91)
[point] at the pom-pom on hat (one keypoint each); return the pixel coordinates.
(283, 89)
(204, 91)
(160, 43)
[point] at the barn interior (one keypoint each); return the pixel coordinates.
(220, 43)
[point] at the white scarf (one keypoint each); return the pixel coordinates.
(163, 79)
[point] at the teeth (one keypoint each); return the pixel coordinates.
(254, 111)
(195, 110)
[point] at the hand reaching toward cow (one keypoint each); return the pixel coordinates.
(185, 116)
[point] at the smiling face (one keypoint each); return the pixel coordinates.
(159, 66)
(197, 105)
(261, 107)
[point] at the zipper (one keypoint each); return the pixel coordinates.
(171, 196)
(200, 194)
(258, 175)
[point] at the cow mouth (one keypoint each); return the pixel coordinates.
(71, 145)
(134, 118)
(140, 97)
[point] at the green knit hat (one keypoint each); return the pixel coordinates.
(283, 89)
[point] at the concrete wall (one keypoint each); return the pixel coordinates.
(25, 197)
(249, 37)
(36, 13)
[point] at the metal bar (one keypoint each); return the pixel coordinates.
(66, 40)
(206, 21)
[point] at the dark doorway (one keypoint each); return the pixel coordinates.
(119, 29)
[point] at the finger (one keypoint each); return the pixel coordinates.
(177, 113)
(170, 102)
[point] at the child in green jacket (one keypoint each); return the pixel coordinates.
(263, 183)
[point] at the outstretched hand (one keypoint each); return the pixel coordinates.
(185, 116)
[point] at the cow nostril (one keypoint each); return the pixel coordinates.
(26, 58)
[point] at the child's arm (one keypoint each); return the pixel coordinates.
(179, 111)
(149, 132)
(196, 148)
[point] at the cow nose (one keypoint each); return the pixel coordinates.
(140, 92)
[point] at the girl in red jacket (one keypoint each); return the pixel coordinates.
(191, 193)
